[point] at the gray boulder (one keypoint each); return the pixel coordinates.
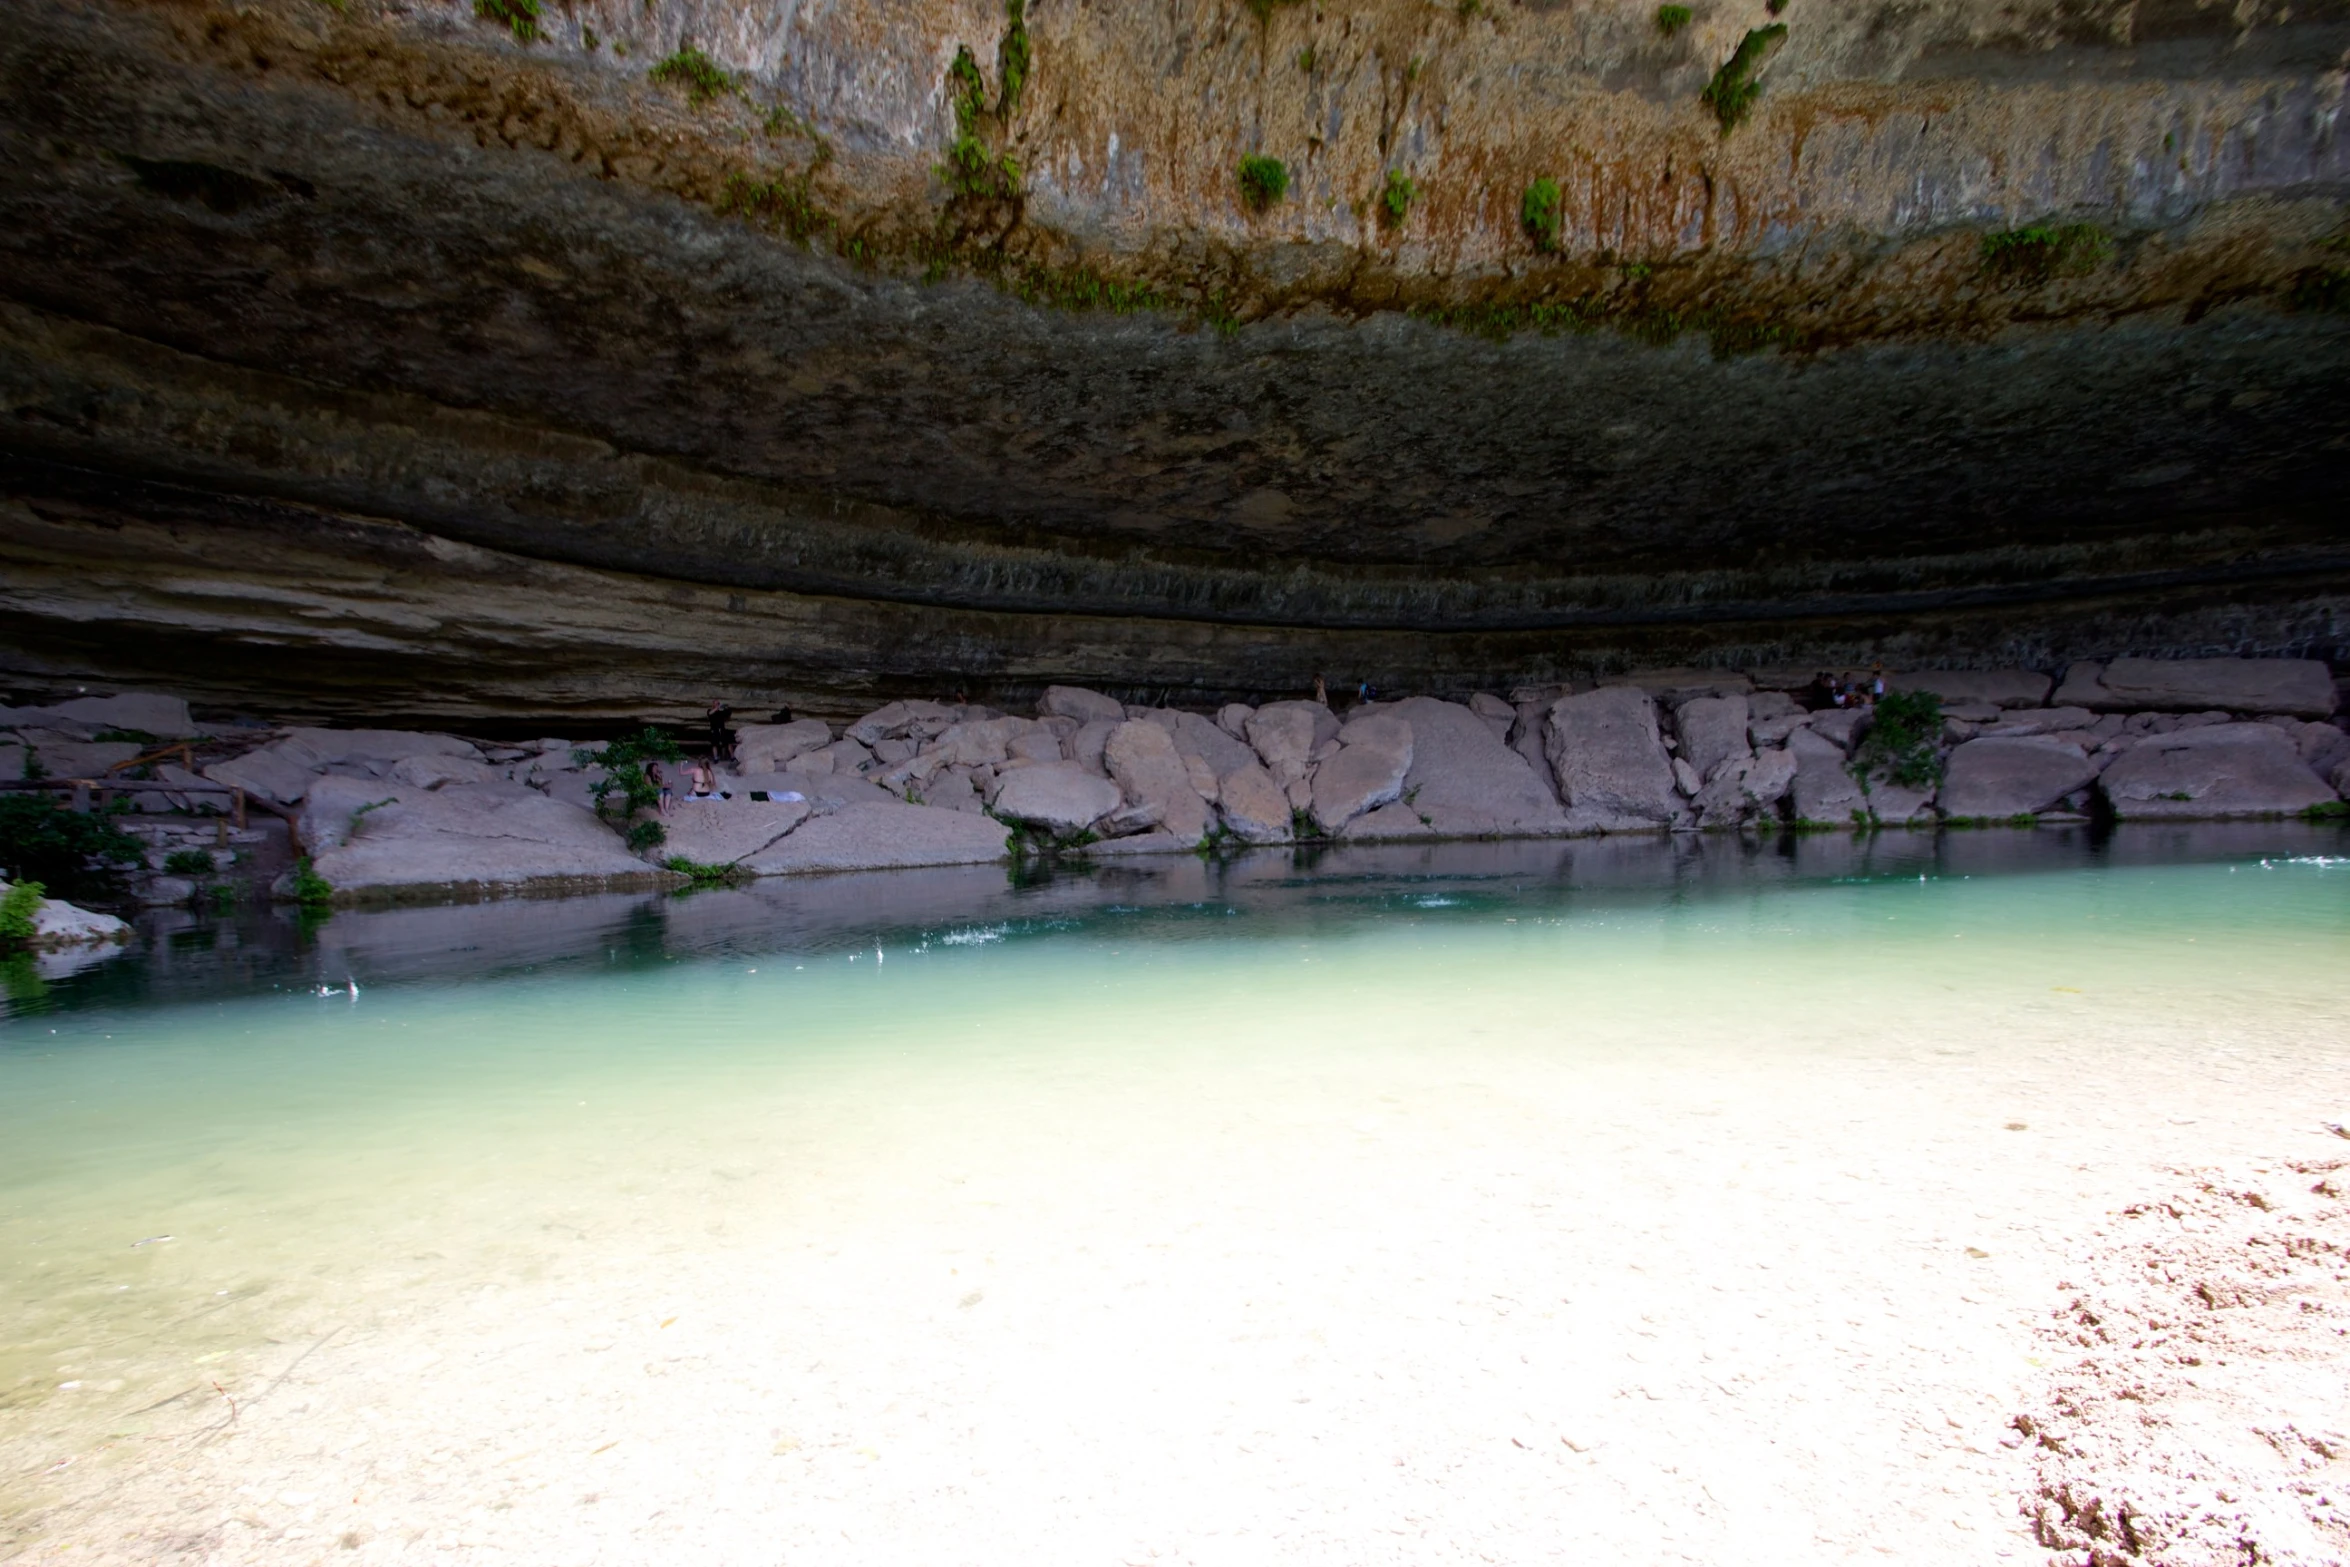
(1843, 725)
(1141, 755)
(1391, 824)
(724, 832)
(1087, 707)
(1061, 797)
(1367, 771)
(1464, 781)
(1253, 806)
(1713, 731)
(1823, 789)
(1286, 735)
(431, 772)
(2300, 686)
(1233, 718)
(1996, 777)
(58, 924)
(1085, 746)
(367, 835)
(2039, 721)
(1197, 737)
(2219, 770)
(883, 837)
(1995, 687)
(1610, 762)
(769, 748)
(1038, 744)
(1746, 788)
(1142, 843)
(64, 758)
(984, 741)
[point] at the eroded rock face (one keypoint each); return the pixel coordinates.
(2299, 686)
(426, 371)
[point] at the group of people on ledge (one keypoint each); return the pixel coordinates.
(1828, 689)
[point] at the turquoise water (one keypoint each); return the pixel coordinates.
(218, 1152)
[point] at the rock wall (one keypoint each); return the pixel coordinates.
(576, 372)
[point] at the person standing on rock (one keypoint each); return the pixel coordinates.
(721, 737)
(1321, 691)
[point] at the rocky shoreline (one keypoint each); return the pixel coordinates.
(395, 815)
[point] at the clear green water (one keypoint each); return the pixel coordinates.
(606, 1095)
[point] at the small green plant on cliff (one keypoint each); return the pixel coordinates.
(2043, 252)
(77, 854)
(1013, 58)
(187, 862)
(696, 72)
(311, 890)
(1396, 198)
(1733, 90)
(520, 17)
(1903, 745)
(1263, 181)
(1670, 19)
(17, 912)
(626, 788)
(972, 170)
(1538, 214)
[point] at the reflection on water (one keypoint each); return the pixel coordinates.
(185, 957)
(1290, 1104)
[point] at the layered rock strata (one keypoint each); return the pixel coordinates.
(391, 360)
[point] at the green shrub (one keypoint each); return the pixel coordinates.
(2043, 252)
(1396, 198)
(971, 169)
(187, 862)
(1732, 92)
(1013, 58)
(17, 911)
(1538, 211)
(1903, 745)
(1263, 181)
(698, 873)
(77, 854)
(1670, 19)
(520, 17)
(645, 835)
(311, 890)
(624, 789)
(694, 71)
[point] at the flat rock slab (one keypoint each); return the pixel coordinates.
(1997, 687)
(1087, 707)
(377, 745)
(268, 773)
(147, 712)
(723, 832)
(881, 837)
(1998, 777)
(1141, 755)
(2220, 770)
(1060, 797)
(768, 748)
(368, 835)
(2299, 686)
(1610, 762)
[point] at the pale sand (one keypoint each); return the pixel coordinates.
(1594, 1272)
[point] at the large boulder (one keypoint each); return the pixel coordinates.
(1366, 772)
(432, 772)
(1465, 781)
(1998, 777)
(1061, 797)
(1713, 731)
(1286, 734)
(2300, 686)
(1823, 790)
(1254, 807)
(883, 837)
(769, 748)
(1996, 687)
(1746, 788)
(1610, 762)
(366, 835)
(986, 741)
(1197, 737)
(269, 773)
(140, 712)
(57, 924)
(2218, 770)
(1141, 755)
(724, 832)
(1087, 707)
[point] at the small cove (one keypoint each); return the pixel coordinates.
(1248, 1212)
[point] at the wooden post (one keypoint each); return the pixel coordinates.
(238, 795)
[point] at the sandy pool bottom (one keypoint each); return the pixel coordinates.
(1732, 1233)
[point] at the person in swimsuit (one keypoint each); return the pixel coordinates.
(705, 785)
(668, 795)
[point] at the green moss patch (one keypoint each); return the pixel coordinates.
(1733, 91)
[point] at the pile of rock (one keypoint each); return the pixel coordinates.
(933, 783)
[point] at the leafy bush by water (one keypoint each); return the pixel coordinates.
(17, 910)
(1903, 745)
(77, 854)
